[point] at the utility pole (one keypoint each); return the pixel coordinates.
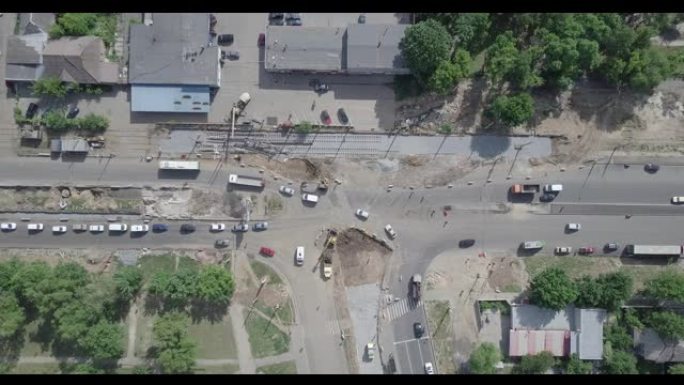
(256, 297)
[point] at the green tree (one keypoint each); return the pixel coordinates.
(668, 285)
(50, 86)
(12, 316)
(142, 370)
(524, 73)
(560, 67)
(170, 328)
(588, 292)
(617, 336)
(73, 24)
(176, 353)
(444, 78)
(676, 369)
(129, 281)
(501, 57)
(484, 358)
(513, 110)
(590, 57)
(646, 69)
(104, 341)
(667, 324)
(608, 291)
(9, 271)
(553, 289)
(620, 362)
(93, 123)
(215, 284)
(471, 30)
(31, 282)
(56, 121)
(74, 319)
(577, 366)
(535, 364)
(303, 127)
(424, 46)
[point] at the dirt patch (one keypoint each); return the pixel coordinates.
(362, 258)
(70, 200)
(506, 272)
(295, 169)
(174, 203)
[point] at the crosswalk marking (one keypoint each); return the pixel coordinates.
(400, 308)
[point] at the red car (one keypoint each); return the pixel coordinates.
(325, 117)
(586, 250)
(267, 251)
(262, 40)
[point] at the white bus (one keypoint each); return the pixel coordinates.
(178, 165)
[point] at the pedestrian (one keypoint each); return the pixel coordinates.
(313, 105)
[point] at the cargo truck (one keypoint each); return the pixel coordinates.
(533, 245)
(246, 181)
(186, 165)
(525, 188)
(653, 250)
(416, 282)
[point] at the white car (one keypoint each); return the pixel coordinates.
(362, 214)
(561, 250)
(96, 228)
(299, 255)
(217, 227)
(35, 227)
(59, 229)
(429, 369)
(289, 191)
(140, 228)
(8, 226)
(573, 226)
(390, 231)
(677, 200)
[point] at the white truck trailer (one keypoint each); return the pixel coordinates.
(246, 181)
(191, 165)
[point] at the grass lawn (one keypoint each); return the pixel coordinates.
(187, 263)
(441, 327)
(51, 368)
(151, 264)
(285, 313)
(574, 266)
(144, 335)
(218, 369)
(261, 270)
(265, 339)
(477, 63)
(32, 345)
(214, 340)
(642, 273)
(288, 367)
(673, 51)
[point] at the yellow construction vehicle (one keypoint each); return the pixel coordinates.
(328, 251)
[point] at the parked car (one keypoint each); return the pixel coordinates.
(429, 369)
(299, 255)
(187, 228)
(240, 228)
(464, 243)
(319, 87)
(79, 227)
(225, 39)
(611, 247)
(96, 228)
(586, 250)
(678, 200)
(34, 227)
(289, 191)
(342, 116)
(573, 226)
(390, 231)
(31, 110)
(260, 226)
(59, 229)
(418, 329)
(546, 197)
(325, 117)
(370, 351)
(362, 19)
(140, 228)
(220, 243)
(73, 112)
(8, 226)
(294, 19)
(311, 198)
(276, 18)
(651, 168)
(261, 41)
(363, 214)
(562, 250)
(159, 227)
(230, 55)
(217, 227)
(266, 251)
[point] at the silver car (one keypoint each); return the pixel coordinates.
(260, 226)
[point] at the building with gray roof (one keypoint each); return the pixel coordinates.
(306, 49)
(535, 329)
(374, 49)
(173, 55)
(651, 347)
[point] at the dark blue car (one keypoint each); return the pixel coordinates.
(159, 227)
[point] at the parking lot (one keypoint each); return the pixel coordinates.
(368, 100)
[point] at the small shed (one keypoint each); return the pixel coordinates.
(75, 146)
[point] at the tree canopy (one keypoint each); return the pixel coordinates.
(676, 369)
(667, 324)
(577, 366)
(512, 111)
(553, 289)
(535, 364)
(104, 341)
(129, 281)
(215, 284)
(620, 362)
(668, 285)
(425, 45)
(12, 316)
(484, 358)
(176, 353)
(608, 291)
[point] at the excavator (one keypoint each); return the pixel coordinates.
(328, 251)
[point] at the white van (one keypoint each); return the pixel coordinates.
(299, 255)
(118, 227)
(310, 198)
(556, 188)
(140, 228)
(35, 227)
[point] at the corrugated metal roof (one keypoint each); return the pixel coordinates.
(534, 317)
(158, 98)
(530, 342)
(304, 49)
(590, 329)
(374, 49)
(173, 50)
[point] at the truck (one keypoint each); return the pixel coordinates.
(525, 188)
(242, 102)
(182, 165)
(553, 188)
(653, 250)
(246, 181)
(416, 281)
(328, 251)
(532, 245)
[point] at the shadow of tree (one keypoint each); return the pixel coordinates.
(211, 311)
(10, 348)
(489, 146)
(472, 102)
(599, 102)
